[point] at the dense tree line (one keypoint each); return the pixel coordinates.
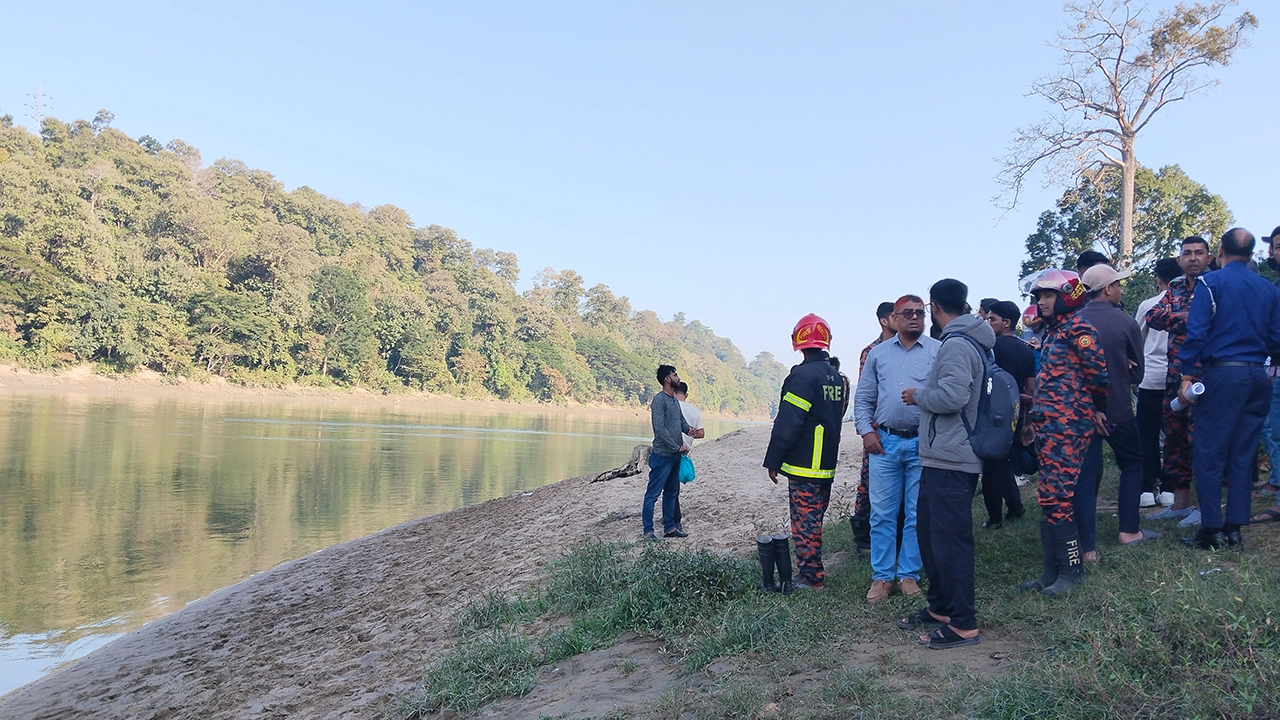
(134, 254)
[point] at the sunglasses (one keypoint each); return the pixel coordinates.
(911, 313)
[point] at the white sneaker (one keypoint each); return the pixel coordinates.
(1146, 500)
(1190, 520)
(1021, 480)
(1165, 498)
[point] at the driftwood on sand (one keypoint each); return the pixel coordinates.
(639, 459)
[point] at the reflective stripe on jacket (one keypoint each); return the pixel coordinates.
(805, 443)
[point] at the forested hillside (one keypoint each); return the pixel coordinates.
(134, 254)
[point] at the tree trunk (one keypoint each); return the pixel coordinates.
(1129, 175)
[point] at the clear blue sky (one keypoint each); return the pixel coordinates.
(745, 163)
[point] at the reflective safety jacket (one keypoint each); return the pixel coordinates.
(806, 433)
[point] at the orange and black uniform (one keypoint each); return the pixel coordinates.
(1170, 315)
(804, 446)
(862, 503)
(1070, 387)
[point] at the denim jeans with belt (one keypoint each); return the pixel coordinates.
(895, 482)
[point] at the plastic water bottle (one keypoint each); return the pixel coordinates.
(1193, 392)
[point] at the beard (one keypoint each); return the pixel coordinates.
(913, 334)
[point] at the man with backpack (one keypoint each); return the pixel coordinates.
(949, 421)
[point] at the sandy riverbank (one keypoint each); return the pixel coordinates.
(149, 385)
(336, 633)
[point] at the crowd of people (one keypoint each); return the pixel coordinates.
(1192, 360)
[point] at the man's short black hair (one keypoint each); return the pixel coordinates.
(1195, 239)
(951, 295)
(1237, 242)
(1008, 311)
(1089, 258)
(985, 304)
(664, 371)
(1167, 269)
(884, 310)
(682, 388)
(835, 362)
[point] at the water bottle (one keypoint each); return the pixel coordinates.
(1193, 392)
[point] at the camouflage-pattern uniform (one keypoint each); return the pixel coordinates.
(808, 505)
(1070, 387)
(1170, 315)
(862, 504)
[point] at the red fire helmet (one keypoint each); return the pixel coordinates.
(1064, 282)
(811, 332)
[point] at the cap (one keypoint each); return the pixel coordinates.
(1100, 276)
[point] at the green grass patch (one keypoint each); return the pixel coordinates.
(1156, 631)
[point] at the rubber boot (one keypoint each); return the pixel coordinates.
(764, 551)
(1066, 544)
(1050, 562)
(782, 559)
(861, 532)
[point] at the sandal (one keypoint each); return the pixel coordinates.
(944, 637)
(911, 622)
(1271, 514)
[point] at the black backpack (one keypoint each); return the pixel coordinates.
(991, 435)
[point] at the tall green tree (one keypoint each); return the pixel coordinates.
(1169, 206)
(1121, 66)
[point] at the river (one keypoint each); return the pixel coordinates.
(117, 511)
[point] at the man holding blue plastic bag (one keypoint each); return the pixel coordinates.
(805, 443)
(693, 418)
(664, 459)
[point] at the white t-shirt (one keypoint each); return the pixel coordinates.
(692, 416)
(1155, 348)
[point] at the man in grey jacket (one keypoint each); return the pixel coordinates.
(944, 515)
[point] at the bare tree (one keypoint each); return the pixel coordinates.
(1119, 69)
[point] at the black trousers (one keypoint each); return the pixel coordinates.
(999, 488)
(944, 528)
(1124, 443)
(1150, 414)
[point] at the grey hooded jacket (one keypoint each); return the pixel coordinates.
(953, 388)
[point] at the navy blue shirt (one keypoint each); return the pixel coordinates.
(1245, 323)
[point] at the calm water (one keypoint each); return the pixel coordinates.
(115, 512)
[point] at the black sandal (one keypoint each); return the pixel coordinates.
(911, 622)
(944, 637)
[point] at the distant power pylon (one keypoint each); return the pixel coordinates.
(39, 104)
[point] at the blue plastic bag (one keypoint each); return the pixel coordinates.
(686, 469)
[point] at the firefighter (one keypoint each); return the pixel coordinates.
(1071, 392)
(1170, 315)
(805, 443)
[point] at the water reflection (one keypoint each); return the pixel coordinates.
(114, 512)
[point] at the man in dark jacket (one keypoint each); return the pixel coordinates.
(1233, 322)
(1121, 341)
(805, 443)
(949, 474)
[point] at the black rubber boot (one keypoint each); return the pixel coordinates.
(782, 559)
(1050, 562)
(1066, 545)
(861, 532)
(764, 551)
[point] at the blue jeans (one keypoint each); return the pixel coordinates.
(664, 480)
(895, 480)
(1271, 432)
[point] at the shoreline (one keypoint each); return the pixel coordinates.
(82, 380)
(340, 631)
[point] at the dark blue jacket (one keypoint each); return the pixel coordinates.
(806, 433)
(1235, 321)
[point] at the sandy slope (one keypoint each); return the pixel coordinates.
(335, 633)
